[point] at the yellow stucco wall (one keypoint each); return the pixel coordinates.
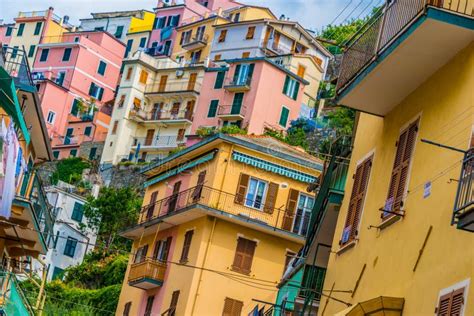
(141, 25)
(444, 104)
(253, 13)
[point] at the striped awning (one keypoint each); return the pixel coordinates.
(180, 169)
(272, 167)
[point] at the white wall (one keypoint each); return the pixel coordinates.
(110, 25)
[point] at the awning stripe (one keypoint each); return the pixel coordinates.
(272, 167)
(180, 169)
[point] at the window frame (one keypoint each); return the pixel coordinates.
(71, 243)
(53, 117)
(67, 49)
(283, 110)
(79, 210)
(104, 64)
(41, 60)
(305, 210)
(264, 195)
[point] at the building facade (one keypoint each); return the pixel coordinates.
(221, 215)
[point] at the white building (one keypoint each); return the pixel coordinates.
(70, 243)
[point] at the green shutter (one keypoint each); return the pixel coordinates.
(92, 153)
(284, 116)
(88, 130)
(92, 89)
(67, 54)
(237, 103)
(75, 107)
(102, 66)
(38, 28)
(219, 80)
(77, 212)
(285, 86)
(213, 108)
(31, 52)
(236, 73)
(297, 89)
(101, 93)
(21, 28)
(250, 74)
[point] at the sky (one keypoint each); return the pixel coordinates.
(312, 14)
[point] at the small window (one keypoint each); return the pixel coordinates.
(256, 191)
(291, 88)
(114, 128)
(121, 101)
(245, 54)
(159, 22)
(58, 273)
(188, 236)
(88, 131)
(217, 57)
(149, 305)
(73, 153)
(137, 103)
(31, 51)
(142, 42)
(244, 253)
(141, 253)
(21, 28)
(38, 28)
(285, 112)
(93, 153)
(250, 32)
(237, 17)
(44, 55)
(126, 309)
(14, 52)
(219, 80)
(173, 303)
(129, 73)
(232, 307)
(129, 47)
(213, 108)
(451, 303)
(76, 39)
(222, 36)
(102, 67)
(9, 31)
(51, 116)
(56, 154)
(77, 212)
(119, 31)
(301, 71)
(143, 76)
(303, 214)
(70, 248)
(67, 54)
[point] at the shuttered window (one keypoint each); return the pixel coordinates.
(213, 108)
(401, 166)
(186, 246)
(140, 256)
(356, 202)
(244, 255)
(126, 309)
(284, 114)
(174, 303)
(197, 193)
(219, 80)
(232, 307)
(290, 209)
(242, 188)
(143, 76)
(250, 32)
(270, 199)
(222, 36)
(149, 305)
(451, 304)
(129, 73)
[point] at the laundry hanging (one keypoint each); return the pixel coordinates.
(8, 182)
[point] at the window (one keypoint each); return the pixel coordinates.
(288, 257)
(98, 28)
(58, 273)
(356, 202)
(137, 103)
(14, 52)
(21, 28)
(141, 253)
(255, 193)
(67, 54)
(60, 78)
(173, 303)
(162, 249)
(245, 54)
(243, 74)
(143, 76)
(31, 51)
(121, 101)
(142, 43)
(126, 309)
(301, 71)
(38, 28)
(186, 245)
(44, 54)
(291, 88)
(88, 130)
(167, 48)
(237, 17)
(76, 39)
(77, 212)
(217, 57)
(129, 73)
(213, 108)
(401, 166)
(200, 32)
(114, 128)
(51, 116)
(75, 107)
(303, 214)
(93, 153)
(219, 80)
(119, 31)
(128, 48)
(285, 112)
(180, 136)
(250, 32)
(56, 154)
(196, 56)
(244, 255)
(174, 20)
(96, 91)
(101, 69)
(159, 23)
(451, 303)
(70, 248)
(149, 305)
(232, 307)
(73, 153)
(222, 36)
(9, 31)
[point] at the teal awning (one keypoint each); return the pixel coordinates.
(272, 167)
(9, 102)
(179, 169)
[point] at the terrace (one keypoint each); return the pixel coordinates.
(157, 143)
(169, 117)
(147, 274)
(232, 112)
(196, 42)
(181, 88)
(463, 215)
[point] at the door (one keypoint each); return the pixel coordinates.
(237, 103)
(189, 110)
(303, 215)
(174, 197)
(180, 136)
(162, 85)
(175, 110)
(68, 137)
(149, 137)
(156, 112)
(192, 81)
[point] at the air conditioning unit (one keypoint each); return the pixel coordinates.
(179, 73)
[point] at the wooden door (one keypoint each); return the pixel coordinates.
(175, 109)
(163, 81)
(149, 137)
(192, 81)
(174, 197)
(189, 110)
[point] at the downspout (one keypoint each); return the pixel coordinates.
(203, 264)
(225, 172)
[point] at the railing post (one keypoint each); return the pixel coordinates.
(381, 28)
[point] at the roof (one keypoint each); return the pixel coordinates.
(212, 17)
(250, 6)
(117, 14)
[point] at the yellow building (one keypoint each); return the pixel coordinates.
(219, 223)
(399, 247)
(139, 31)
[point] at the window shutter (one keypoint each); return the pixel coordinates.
(242, 189)
(271, 198)
(173, 303)
(101, 93)
(236, 73)
(92, 89)
(284, 116)
(156, 250)
(200, 183)
(213, 108)
(451, 304)
(219, 80)
(186, 245)
(244, 255)
(232, 307)
(250, 74)
(285, 86)
(296, 91)
(151, 205)
(290, 209)
(167, 250)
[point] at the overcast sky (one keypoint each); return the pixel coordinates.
(312, 14)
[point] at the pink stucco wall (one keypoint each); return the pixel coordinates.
(3, 38)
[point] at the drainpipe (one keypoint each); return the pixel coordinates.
(203, 264)
(229, 157)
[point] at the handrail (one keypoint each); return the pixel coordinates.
(465, 192)
(148, 268)
(231, 110)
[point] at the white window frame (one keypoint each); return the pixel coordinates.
(463, 284)
(305, 210)
(53, 115)
(262, 202)
(290, 89)
(163, 243)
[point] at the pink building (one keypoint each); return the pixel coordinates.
(254, 94)
(76, 73)
(169, 16)
(6, 31)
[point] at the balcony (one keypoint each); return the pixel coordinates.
(181, 88)
(157, 143)
(232, 112)
(179, 117)
(238, 84)
(202, 201)
(146, 275)
(398, 50)
(16, 64)
(13, 300)
(464, 206)
(196, 42)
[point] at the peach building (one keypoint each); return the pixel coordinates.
(76, 73)
(6, 31)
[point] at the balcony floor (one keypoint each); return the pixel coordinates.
(428, 44)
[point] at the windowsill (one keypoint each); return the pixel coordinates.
(239, 271)
(390, 220)
(346, 247)
(184, 262)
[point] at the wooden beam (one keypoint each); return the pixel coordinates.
(14, 241)
(20, 252)
(15, 221)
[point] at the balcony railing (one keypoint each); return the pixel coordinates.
(13, 300)
(173, 87)
(16, 64)
(159, 142)
(382, 29)
(147, 274)
(232, 110)
(157, 115)
(196, 42)
(464, 204)
(42, 209)
(238, 84)
(248, 210)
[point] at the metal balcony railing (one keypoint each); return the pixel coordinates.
(238, 82)
(465, 193)
(381, 30)
(147, 269)
(42, 208)
(173, 87)
(16, 64)
(159, 141)
(201, 39)
(157, 115)
(235, 109)
(220, 201)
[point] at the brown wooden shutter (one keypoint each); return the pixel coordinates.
(162, 85)
(126, 309)
(200, 183)
(451, 304)
(156, 249)
(140, 256)
(151, 205)
(173, 303)
(290, 209)
(232, 307)
(242, 188)
(270, 200)
(186, 245)
(401, 166)
(244, 255)
(167, 249)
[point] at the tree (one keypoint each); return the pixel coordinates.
(70, 170)
(110, 213)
